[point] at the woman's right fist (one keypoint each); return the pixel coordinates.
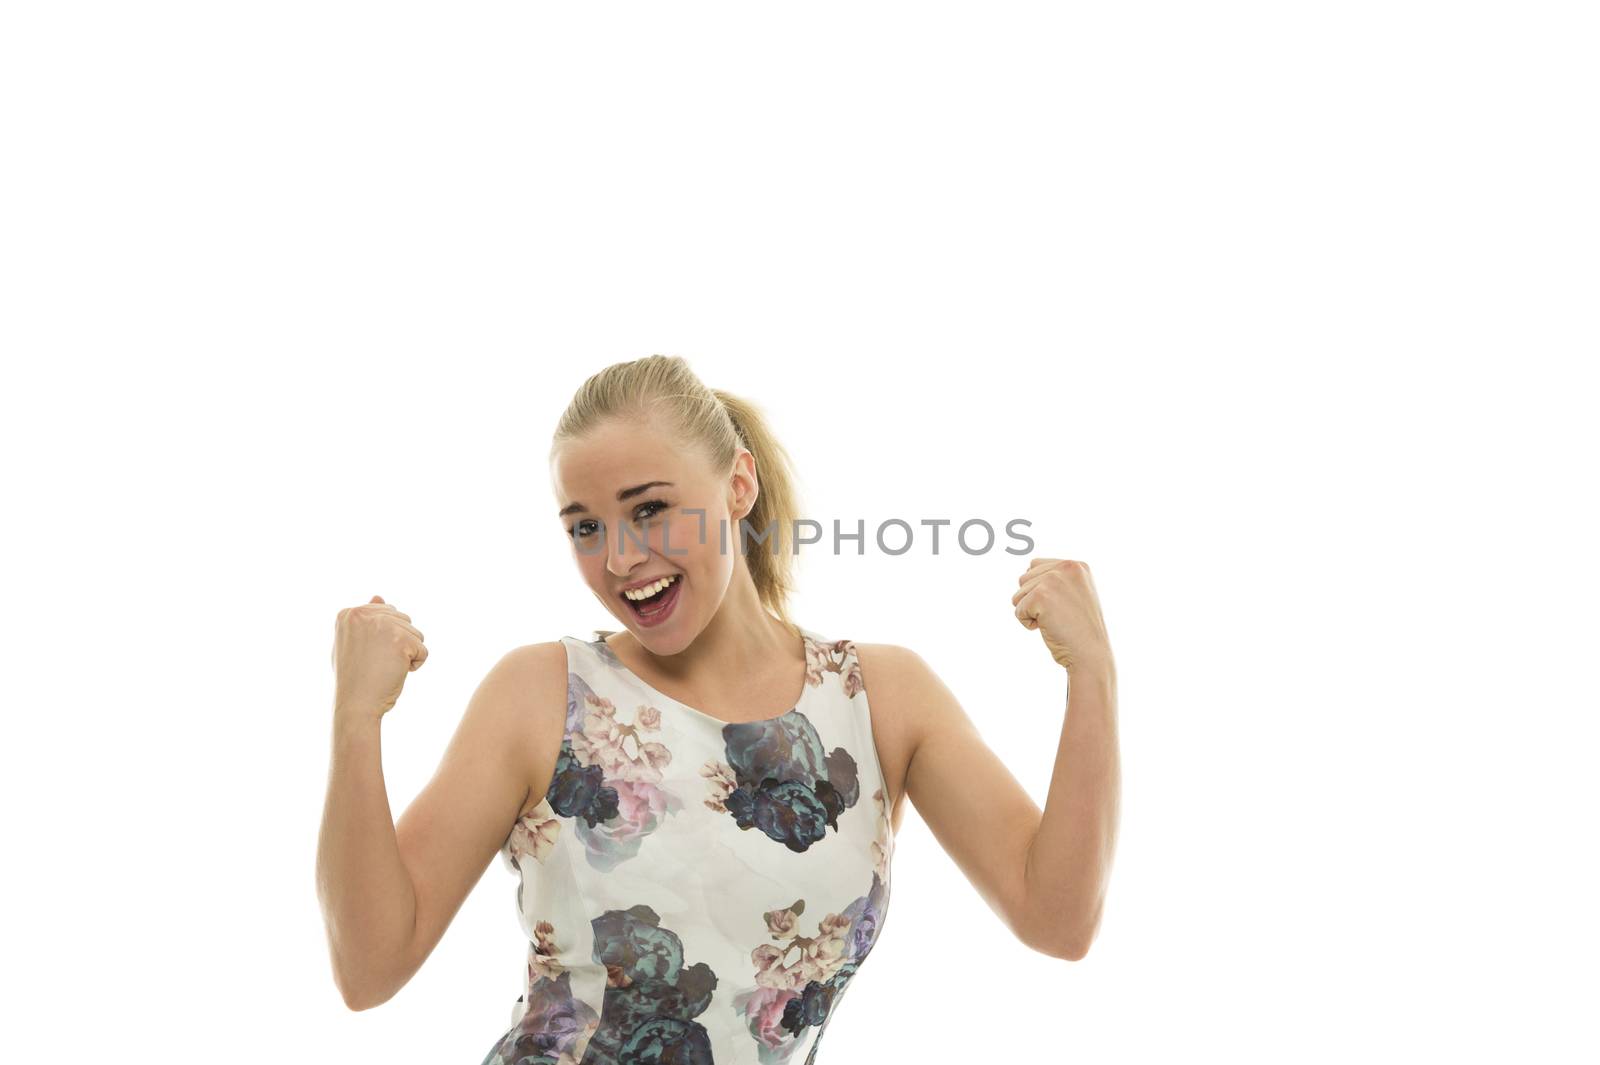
(374, 647)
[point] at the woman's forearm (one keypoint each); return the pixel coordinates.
(368, 900)
(1069, 862)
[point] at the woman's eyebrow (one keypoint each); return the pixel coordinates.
(626, 493)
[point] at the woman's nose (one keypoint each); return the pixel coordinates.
(626, 551)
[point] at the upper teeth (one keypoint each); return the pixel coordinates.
(650, 589)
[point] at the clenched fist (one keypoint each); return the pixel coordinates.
(374, 647)
(1057, 598)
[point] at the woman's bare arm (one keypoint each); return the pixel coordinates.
(389, 892)
(985, 819)
(1069, 861)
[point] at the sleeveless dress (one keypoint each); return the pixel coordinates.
(694, 891)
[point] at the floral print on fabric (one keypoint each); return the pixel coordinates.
(839, 657)
(604, 650)
(652, 998)
(557, 1027)
(775, 777)
(799, 981)
(659, 935)
(608, 776)
(535, 834)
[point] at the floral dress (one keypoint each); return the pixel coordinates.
(694, 891)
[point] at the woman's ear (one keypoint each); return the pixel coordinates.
(744, 488)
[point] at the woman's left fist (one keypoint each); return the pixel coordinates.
(1057, 597)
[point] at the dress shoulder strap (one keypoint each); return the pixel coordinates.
(825, 657)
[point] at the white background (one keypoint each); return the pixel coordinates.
(1276, 314)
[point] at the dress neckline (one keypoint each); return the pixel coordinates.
(806, 638)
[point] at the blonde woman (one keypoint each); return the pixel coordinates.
(699, 807)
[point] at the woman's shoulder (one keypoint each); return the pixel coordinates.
(890, 661)
(564, 655)
(891, 676)
(543, 654)
(530, 670)
(546, 652)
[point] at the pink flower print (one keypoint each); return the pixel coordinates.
(542, 963)
(542, 967)
(599, 716)
(620, 765)
(817, 661)
(837, 657)
(783, 924)
(791, 998)
(764, 1015)
(597, 706)
(652, 760)
(770, 972)
(640, 805)
(616, 747)
(628, 793)
(535, 833)
(818, 957)
(853, 683)
(808, 968)
(832, 947)
(594, 740)
(615, 760)
(723, 783)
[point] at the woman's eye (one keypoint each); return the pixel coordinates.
(657, 505)
(581, 530)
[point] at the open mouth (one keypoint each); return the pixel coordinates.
(655, 608)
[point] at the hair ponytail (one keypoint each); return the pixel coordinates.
(770, 559)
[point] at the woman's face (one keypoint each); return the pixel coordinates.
(636, 506)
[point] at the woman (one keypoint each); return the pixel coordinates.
(703, 854)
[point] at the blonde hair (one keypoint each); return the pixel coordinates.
(717, 423)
